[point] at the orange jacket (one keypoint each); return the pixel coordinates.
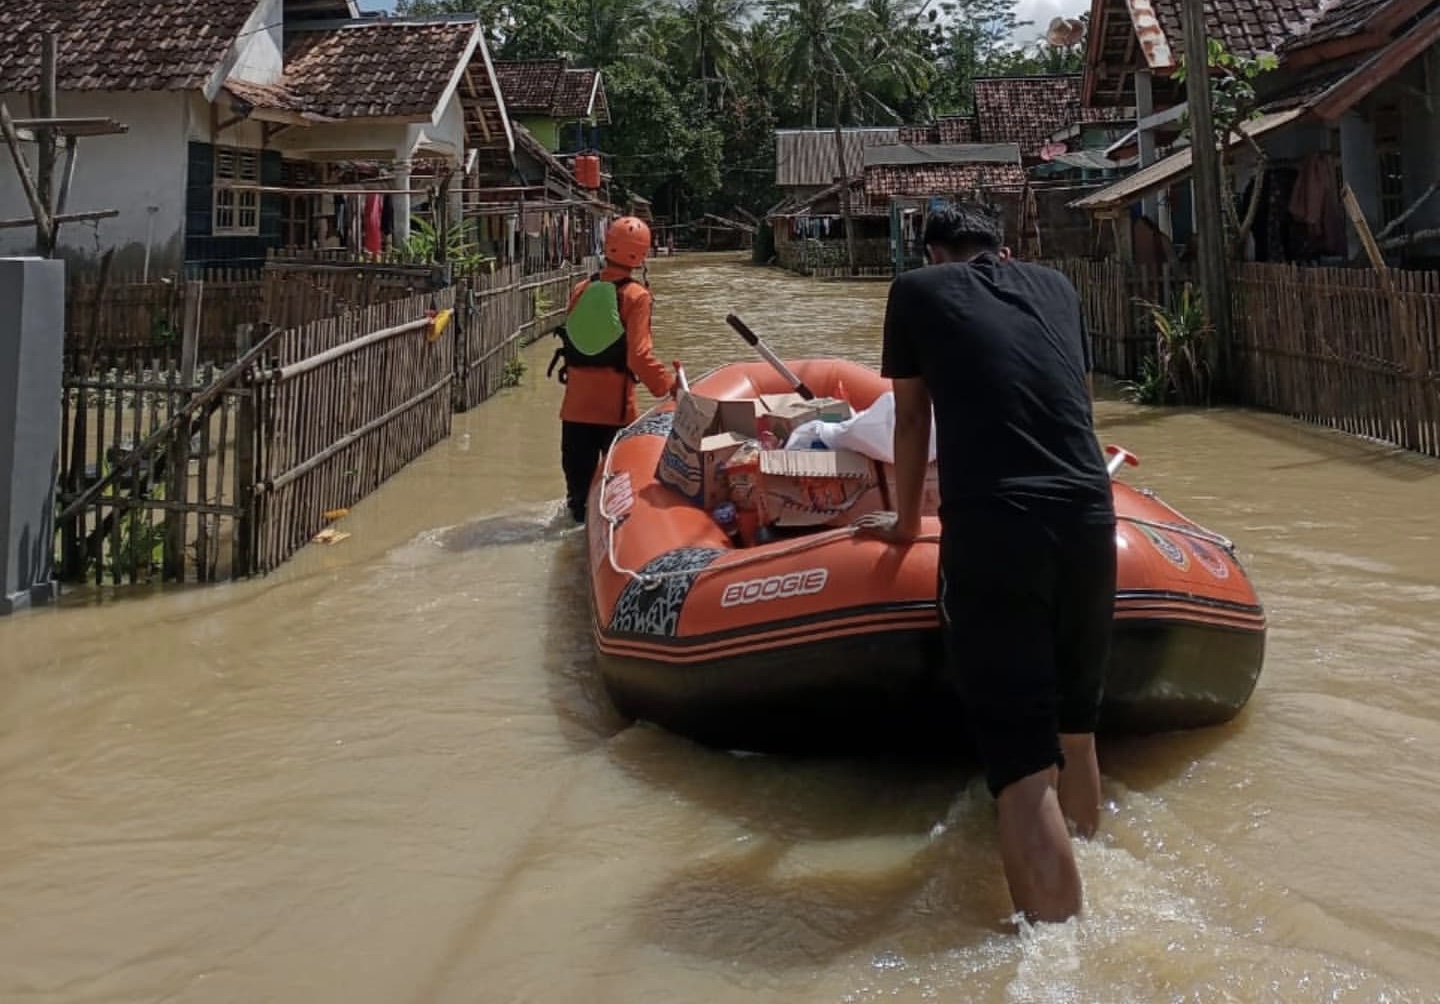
(607, 397)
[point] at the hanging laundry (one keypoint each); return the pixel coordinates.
(374, 211)
(387, 217)
(1316, 204)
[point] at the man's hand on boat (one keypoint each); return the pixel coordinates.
(886, 526)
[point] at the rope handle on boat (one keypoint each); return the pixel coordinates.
(653, 580)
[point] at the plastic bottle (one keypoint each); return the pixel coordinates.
(725, 518)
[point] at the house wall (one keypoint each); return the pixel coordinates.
(141, 173)
(546, 130)
(259, 54)
(444, 138)
(1361, 170)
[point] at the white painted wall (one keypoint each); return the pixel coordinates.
(132, 172)
(258, 54)
(445, 138)
(247, 134)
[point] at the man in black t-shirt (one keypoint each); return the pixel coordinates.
(1027, 552)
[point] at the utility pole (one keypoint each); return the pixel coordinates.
(1209, 220)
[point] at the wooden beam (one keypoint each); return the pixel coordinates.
(470, 84)
(94, 214)
(63, 126)
(1341, 96)
(22, 167)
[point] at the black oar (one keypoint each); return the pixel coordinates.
(770, 357)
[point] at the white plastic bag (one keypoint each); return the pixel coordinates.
(870, 432)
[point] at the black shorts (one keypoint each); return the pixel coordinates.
(1027, 608)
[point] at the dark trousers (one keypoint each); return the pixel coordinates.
(581, 447)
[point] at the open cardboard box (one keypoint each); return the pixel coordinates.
(816, 487)
(929, 494)
(707, 433)
(784, 413)
(703, 436)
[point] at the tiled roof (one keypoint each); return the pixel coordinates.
(957, 129)
(376, 69)
(549, 87)
(1339, 20)
(948, 130)
(1026, 111)
(806, 157)
(119, 45)
(276, 96)
(940, 179)
(1247, 28)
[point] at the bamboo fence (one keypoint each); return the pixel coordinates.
(341, 406)
(1346, 348)
(498, 315)
(174, 510)
(149, 315)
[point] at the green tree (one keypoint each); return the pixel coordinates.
(1234, 101)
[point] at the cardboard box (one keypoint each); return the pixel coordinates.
(785, 412)
(704, 434)
(929, 495)
(815, 487)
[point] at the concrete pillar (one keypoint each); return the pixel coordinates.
(402, 203)
(32, 326)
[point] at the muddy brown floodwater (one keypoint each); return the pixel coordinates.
(386, 773)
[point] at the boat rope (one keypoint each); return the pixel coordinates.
(653, 580)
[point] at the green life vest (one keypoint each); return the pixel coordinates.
(593, 336)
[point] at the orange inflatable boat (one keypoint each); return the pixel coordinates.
(822, 641)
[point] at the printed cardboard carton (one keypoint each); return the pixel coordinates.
(705, 432)
(815, 487)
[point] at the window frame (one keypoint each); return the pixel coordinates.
(235, 192)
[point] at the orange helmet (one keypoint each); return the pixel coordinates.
(627, 242)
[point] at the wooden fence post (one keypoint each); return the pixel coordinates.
(242, 548)
(464, 303)
(176, 520)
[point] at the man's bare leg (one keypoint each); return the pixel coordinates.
(1035, 848)
(1080, 783)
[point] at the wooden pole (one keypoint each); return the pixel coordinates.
(22, 168)
(844, 173)
(176, 521)
(45, 180)
(1209, 230)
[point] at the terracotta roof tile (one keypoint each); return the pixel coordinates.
(119, 45)
(549, 87)
(1339, 20)
(1025, 111)
(948, 130)
(1247, 28)
(376, 69)
(957, 129)
(266, 95)
(940, 179)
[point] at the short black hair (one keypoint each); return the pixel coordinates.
(963, 229)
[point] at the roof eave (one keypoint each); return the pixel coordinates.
(221, 70)
(456, 75)
(1341, 96)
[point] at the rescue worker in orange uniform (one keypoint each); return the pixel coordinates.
(606, 348)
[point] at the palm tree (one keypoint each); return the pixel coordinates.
(853, 50)
(707, 40)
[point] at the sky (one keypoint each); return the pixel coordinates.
(1038, 11)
